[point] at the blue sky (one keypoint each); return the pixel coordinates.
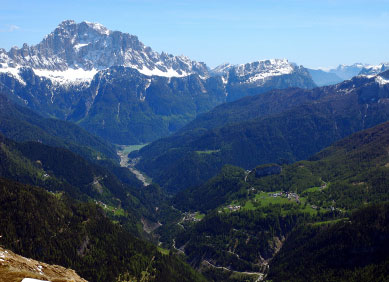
(313, 33)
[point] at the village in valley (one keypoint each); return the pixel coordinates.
(263, 199)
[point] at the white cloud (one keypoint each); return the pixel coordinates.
(9, 28)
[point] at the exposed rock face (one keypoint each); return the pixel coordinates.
(268, 170)
(92, 46)
(260, 73)
(373, 70)
(15, 268)
(261, 76)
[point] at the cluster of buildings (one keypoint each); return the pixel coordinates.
(233, 208)
(188, 216)
(289, 195)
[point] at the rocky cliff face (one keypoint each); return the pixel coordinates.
(373, 70)
(261, 76)
(260, 73)
(119, 104)
(92, 46)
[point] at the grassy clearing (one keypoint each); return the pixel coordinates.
(113, 210)
(126, 149)
(163, 251)
(264, 199)
(306, 207)
(329, 221)
(199, 215)
(312, 189)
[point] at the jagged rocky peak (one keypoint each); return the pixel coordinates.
(383, 78)
(265, 66)
(259, 72)
(374, 69)
(222, 69)
(91, 46)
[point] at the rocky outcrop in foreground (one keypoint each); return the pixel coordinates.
(15, 268)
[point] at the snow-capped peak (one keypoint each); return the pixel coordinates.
(265, 68)
(374, 69)
(75, 47)
(65, 23)
(222, 69)
(98, 27)
(382, 78)
(255, 72)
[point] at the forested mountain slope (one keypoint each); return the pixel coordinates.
(320, 117)
(55, 229)
(22, 124)
(352, 250)
(247, 217)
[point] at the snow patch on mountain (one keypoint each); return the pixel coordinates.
(80, 45)
(381, 81)
(69, 76)
(264, 69)
(168, 73)
(14, 72)
(374, 69)
(256, 72)
(98, 27)
(222, 69)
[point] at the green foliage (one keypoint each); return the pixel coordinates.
(120, 115)
(295, 178)
(349, 250)
(214, 192)
(348, 175)
(37, 224)
(21, 124)
(281, 135)
(58, 169)
(240, 240)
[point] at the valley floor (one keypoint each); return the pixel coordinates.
(125, 161)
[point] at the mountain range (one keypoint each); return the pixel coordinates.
(324, 77)
(114, 86)
(91, 47)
